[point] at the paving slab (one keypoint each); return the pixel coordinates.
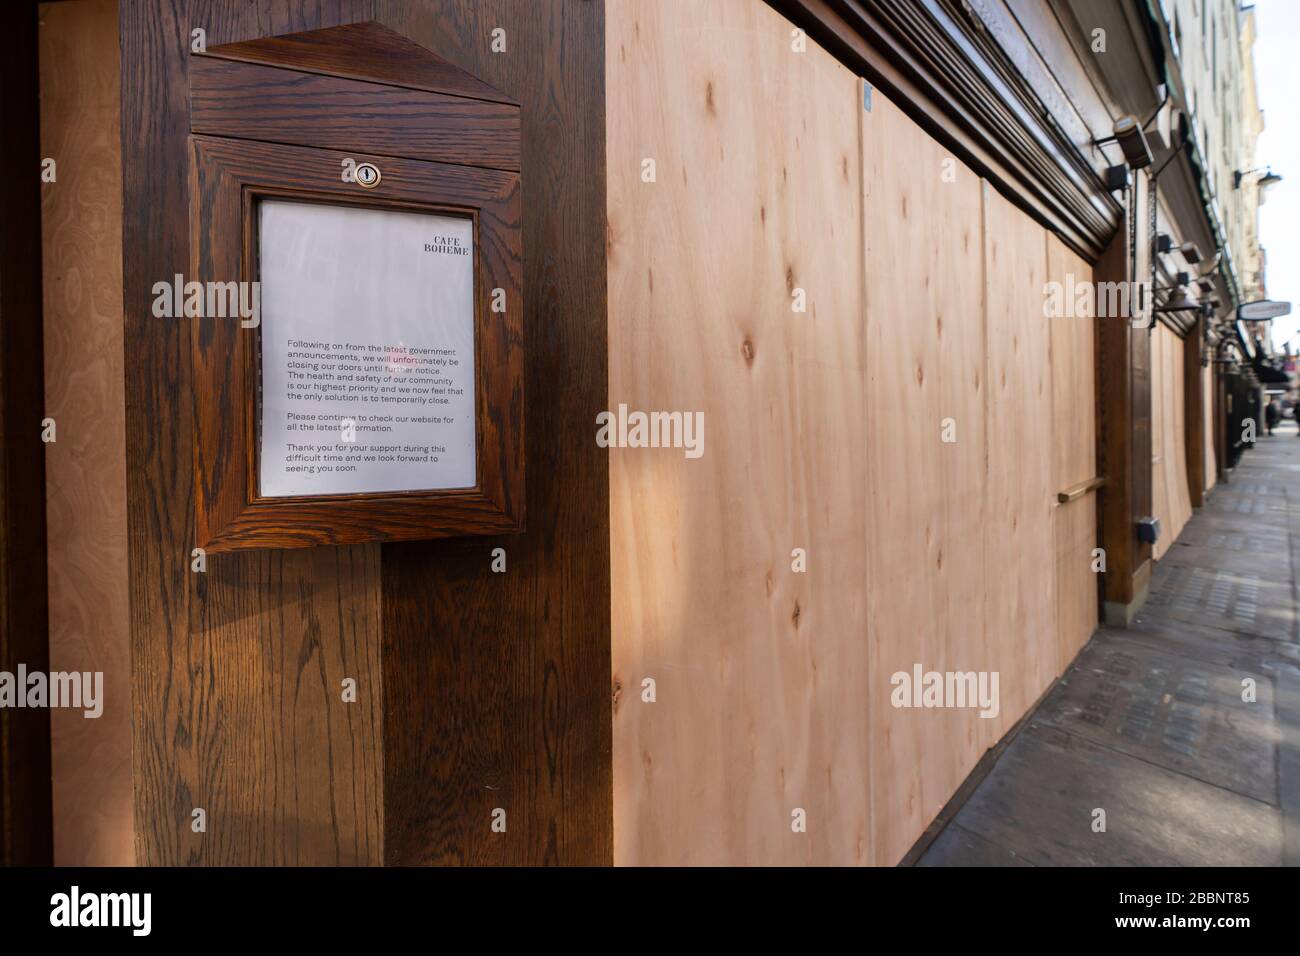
(1244, 652)
(957, 846)
(1039, 804)
(1267, 559)
(1222, 533)
(1149, 724)
(1246, 603)
(1172, 710)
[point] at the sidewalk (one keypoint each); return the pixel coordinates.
(1149, 724)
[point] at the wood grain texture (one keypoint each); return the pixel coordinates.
(81, 219)
(1074, 530)
(1208, 386)
(1020, 608)
(926, 356)
(1139, 417)
(1160, 410)
(25, 825)
(497, 684)
(237, 671)
(228, 178)
(363, 51)
(761, 670)
(289, 774)
(1123, 440)
(1175, 435)
(250, 101)
(1194, 413)
(1073, 363)
(1173, 504)
(1115, 435)
(1074, 460)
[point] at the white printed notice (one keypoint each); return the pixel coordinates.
(367, 350)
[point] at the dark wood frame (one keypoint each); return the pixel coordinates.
(520, 660)
(228, 178)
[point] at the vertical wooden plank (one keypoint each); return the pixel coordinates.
(1180, 501)
(25, 825)
(1115, 435)
(1172, 499)
(1073, 346)
(237, 671)
(154, 227)
(1159, 453)
(1124, 436)
(1076, 583)
(1208, 386)
(1194, 414)
(497, 685)
(1074, 405)
(926, 462)
(1141, 489)
(81, 220)
(1020, 608)
(761, 669)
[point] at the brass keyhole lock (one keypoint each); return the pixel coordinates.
(367, 174)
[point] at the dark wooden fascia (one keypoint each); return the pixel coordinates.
(366, 51)
(943, 66)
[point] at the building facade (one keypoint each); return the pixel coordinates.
(951, 286)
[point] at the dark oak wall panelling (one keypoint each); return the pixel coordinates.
(1194, 419)
(476, 689)
(236, 671)
(497, 685)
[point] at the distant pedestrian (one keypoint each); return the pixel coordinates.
(1272, 415)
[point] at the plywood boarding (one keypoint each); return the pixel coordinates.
(1020, 607)
(81, 219)
(1074, 416)
(1173, 505)
(1211, 459)
(1075, 532)
(1073, 364)
(925, 504)
(1159, 412)
(1175, 441)
(760, 671)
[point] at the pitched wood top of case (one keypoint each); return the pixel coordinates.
(362, 51)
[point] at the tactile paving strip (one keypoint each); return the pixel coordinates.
(1233, 601)
(1246, 505)
(1184, 714)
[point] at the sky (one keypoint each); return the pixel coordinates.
(1277, 73)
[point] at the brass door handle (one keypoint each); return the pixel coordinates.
(1079, 490)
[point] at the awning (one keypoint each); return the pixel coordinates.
(1268, 375)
